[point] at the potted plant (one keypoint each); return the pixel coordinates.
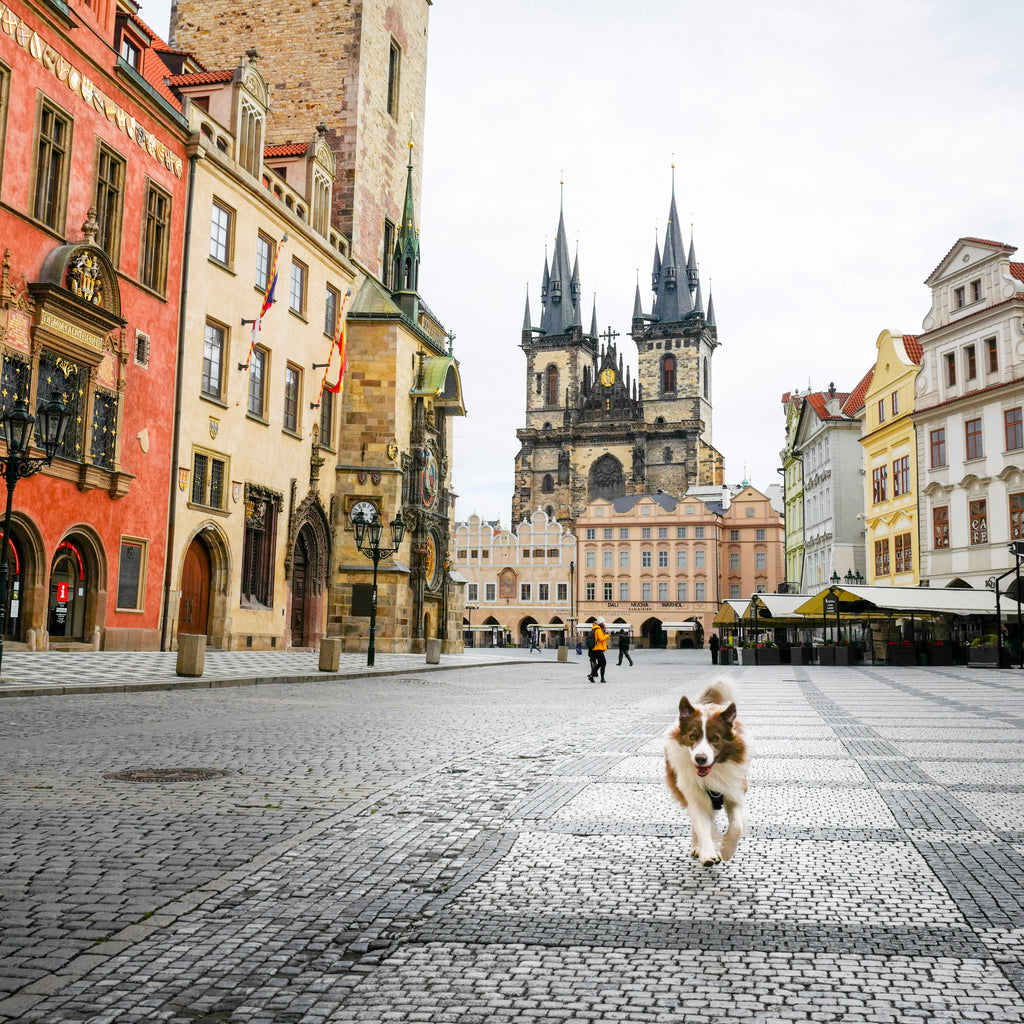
(844, 653)
(801, 654)
(768, 654)
(940, 653)
(901, 653)
(983, 651)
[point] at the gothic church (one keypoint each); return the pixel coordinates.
(591, 431)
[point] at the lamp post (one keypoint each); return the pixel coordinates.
(572, 603)
(368, 531)
(17, 428)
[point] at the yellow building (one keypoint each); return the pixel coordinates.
(251, 537)
(890, 464)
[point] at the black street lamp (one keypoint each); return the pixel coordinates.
(369, 531)
(17, 426)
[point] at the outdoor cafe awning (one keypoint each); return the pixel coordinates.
(730, 613)
(679, 625)
(902, 601)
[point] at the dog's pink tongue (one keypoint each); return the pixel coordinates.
(704, 770)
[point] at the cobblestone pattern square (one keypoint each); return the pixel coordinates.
(500, 847)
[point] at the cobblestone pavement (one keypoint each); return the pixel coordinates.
(496, 844)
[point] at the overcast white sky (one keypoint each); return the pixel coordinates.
(829, 155)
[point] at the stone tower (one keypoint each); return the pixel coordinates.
(676, 342)
(590, 430)
(358, 67)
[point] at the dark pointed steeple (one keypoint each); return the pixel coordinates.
(691, 265)
(593, 319)
(671, 288)
(527, 326)
(406, 260)
(638, 309)
(710, 318)
(561, 309)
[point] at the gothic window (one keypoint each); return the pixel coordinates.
(668, 454)
(548, 484)
(551, 398)
(250, 139)
(258, 548)
(706, 385)
(668, 374)
(606, 479)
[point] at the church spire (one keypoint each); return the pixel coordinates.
(406, 261)
(561, 309)
(593, 319)
(527, 326)
(711, 311)
(671, 287)
(691, 265)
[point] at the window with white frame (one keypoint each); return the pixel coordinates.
(607, 589)
(698, 558)
(623, 591)
(608, 559)
(663, 591)
(490, 591)
(624, 559)
(699, 589)
(645, 558)
(591, 559)
(590, 591)
(681, 558)
(645, 591)
(543, 592)
(525, 590)
(472, 589)
(681, 591)
(562, 591)
(220, 233)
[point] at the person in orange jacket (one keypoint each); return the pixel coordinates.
(600, 646)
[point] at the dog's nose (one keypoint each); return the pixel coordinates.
(701, 759)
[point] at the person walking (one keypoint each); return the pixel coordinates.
(600, 646)
(534, 646)
(714, 643)
(624, 647)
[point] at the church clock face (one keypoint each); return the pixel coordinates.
(428, 481)
(430, 566)
(608, 377)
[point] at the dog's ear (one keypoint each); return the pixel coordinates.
(686, 709)
(729, 715)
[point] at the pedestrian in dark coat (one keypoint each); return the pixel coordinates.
(714, 644)
(624, 647)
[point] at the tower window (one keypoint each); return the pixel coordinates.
(668, 374)
(394, 67)
(552, 386)
(548, 484)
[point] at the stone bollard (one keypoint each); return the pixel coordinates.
(330, 654)
(433, 652)
(563, 653)
(191, 654)
(30, 639)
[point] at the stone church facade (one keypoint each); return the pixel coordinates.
(593, 431)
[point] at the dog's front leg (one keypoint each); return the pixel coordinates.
(737, 826)
(703, 841)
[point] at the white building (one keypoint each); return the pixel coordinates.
(970, 433)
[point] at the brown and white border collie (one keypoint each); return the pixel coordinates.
(706, 769)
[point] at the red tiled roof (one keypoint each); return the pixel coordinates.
(913, 347)
(818, 400)
(856, 399)
(288, 149)
(201, 78)
(154, 71)
(1017, 271)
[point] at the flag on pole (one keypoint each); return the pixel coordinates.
(268, 301)
(341, 344)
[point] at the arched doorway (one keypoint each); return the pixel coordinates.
(494, 635)
(15, 629)
(301, 601)
(653, 634)
(194, 603)
(526, 630)
(69, 588)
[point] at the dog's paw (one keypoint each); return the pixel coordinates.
(695, 852)
(710, 859)
(728, 849)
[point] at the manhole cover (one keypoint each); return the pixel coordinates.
(166, 774)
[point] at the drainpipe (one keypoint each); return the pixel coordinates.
(193, 150)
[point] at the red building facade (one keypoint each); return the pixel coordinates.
(93, 197)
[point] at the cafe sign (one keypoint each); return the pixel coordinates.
(64, 71)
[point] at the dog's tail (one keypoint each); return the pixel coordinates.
(718, 692)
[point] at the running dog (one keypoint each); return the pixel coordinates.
(706, 759)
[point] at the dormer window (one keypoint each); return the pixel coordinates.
(130, 52)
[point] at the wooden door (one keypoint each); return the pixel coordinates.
(194, 604)
(299, 565)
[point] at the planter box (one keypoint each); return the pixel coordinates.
(760, 656)
(901, 654)
(941, 655)
(727, 656)
(826, 656)
(846, 654)
(801, 655)
(983, 657)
